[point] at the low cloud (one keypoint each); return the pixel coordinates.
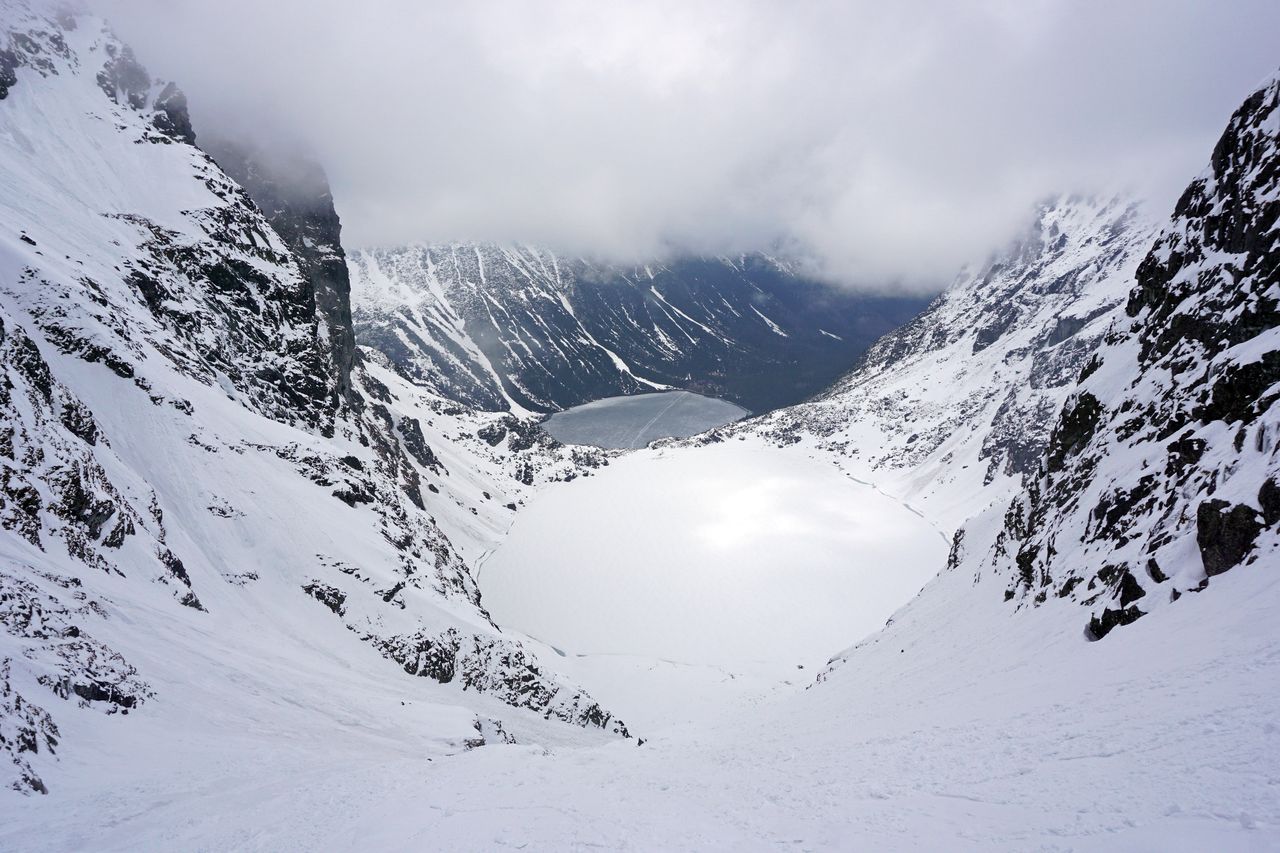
(885, 142)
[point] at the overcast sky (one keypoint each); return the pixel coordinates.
(888, 141)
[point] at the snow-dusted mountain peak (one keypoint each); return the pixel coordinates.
(960, 399)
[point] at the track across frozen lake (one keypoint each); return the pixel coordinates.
(714, 555)
(633, 421)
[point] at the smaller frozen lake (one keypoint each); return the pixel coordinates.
(634, 421)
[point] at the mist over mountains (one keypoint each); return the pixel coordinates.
(883, 145)
(294, 552)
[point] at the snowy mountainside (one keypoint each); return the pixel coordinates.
(1093, 415)
(1162, 470)
(956, 406)
(520, 327)
(190, 446)
(1152, 506)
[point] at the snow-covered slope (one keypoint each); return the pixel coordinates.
(1162, 470)
(952, 409)
(501, 327)
(1093, 415)
(190, 448)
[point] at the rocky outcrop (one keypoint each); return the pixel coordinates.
(55, 485)
(46, 620)
(1225, 534)
(500, 669)
(126, 82)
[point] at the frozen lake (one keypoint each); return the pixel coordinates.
(634, 421)
(718, 555)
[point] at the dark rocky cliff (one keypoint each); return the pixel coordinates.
(293, 194)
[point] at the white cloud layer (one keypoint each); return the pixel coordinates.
(887, 141)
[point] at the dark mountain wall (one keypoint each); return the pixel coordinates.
(490, 326)
(293, 194)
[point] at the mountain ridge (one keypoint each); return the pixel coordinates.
(500, 327)
(953, 407)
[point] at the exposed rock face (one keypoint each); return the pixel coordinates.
(126, 82)
(293, 193)
(478, 666)
(44, 616)
(1162, 466)
(1225, 534)
(55, 485)
(490, 326)
(8, 62)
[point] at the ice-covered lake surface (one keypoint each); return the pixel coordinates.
(720, 555)
(633, 421)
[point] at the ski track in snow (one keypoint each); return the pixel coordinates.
(635, 442)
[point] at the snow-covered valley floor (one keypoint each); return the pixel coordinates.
(962, 725)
